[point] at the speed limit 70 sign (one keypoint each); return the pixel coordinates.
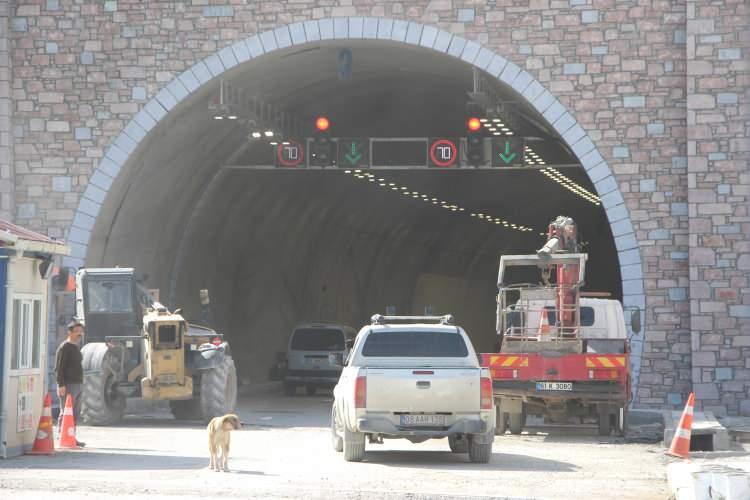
(443, 152)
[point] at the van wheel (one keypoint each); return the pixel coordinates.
(310, 390)
(336, 440)
(354, 445)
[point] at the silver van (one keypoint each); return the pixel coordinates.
(311, 353)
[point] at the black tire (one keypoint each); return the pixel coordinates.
(100, 404)
(189, 409)
(458, 443)
(310, 390)
(605, 423)
(500, 426)
(336, 440)
(290, 389)
(516, 422)
(479, 453)
(218, 394)
(354, 445)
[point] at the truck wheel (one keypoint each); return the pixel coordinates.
(516, 422)
(605, 423)
(310, 390)
(290, 389)
(189, 409)
(336, 440)
(479, 453)
(218, 390)
(354, 445)
(458, 443)
(500, 426)
(100, 403)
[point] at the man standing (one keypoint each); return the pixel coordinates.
(69, 371)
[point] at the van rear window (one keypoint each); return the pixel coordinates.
(421, 344)
(318, 339)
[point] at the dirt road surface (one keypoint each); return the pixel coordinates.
(284, 451)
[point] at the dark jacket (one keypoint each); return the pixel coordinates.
(69, 364)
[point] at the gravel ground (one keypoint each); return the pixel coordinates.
(284, 452)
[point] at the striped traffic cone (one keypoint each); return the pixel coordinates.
(44, 444)
(681, 441)
(68, 427)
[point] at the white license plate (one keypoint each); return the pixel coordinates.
(554, 386)
(423, 420)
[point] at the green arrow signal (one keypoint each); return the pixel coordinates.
(354, 157)
(508, 156)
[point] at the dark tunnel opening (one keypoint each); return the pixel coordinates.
(279, 247)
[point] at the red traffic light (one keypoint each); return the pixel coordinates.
(322, 123)
(474, 124)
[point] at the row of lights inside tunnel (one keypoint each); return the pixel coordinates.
(496, 127)
(416, 195)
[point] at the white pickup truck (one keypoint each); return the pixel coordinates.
(413, 377)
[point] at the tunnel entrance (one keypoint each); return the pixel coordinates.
(198, 205)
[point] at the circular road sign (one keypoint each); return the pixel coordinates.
(443, 153)
(290, 154)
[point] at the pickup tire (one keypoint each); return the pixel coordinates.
(354, 445)
(458, 443)
(479, 453)
(336, 440)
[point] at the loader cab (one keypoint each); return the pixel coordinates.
(108, 303)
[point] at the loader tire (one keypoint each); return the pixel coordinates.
(354, 445)
(189, 409)
(100, 404)
(218, 394)
(479, 453)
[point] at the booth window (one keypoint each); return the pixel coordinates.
(27, 327)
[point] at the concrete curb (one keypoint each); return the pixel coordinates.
(729, 480)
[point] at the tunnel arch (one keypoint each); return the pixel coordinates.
(196, 78)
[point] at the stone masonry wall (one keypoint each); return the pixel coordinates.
(7, 182)
(632, 73)
(718, 82)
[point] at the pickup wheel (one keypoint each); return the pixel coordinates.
(354, 445)
(458, 443)
(336, 440)
(479, 453)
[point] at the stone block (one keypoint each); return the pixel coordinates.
(726, 98)
(110, 6)
(218, 11)
(655, 129)
(466, 15)
(51, 48)
(83, 133)
(26, 210)
(740, 311)
(677, 294)
(679, 208)
(703, 358)
(659, 234)
(730, 54)
(620, 152)
(61, 184)
(674, 398)
(634, 101)
(138, 93)
(589, 16)
(647, 185)
(19, 24)
(574, 69)
(745, 408)
(53, 5)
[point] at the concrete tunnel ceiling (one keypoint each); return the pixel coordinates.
(279, 247)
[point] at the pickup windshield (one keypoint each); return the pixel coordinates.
(415, 344)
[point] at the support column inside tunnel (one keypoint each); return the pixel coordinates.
(277, 250)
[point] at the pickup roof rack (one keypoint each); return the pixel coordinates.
(379, 319)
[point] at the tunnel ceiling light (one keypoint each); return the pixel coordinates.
(218, 117)
(256, 135)
(483, 120)
(273, 143)
(232, 117)
(268, 133)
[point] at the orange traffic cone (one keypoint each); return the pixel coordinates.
(68, 428)
(544, 328)
(44, 444)
(681, 442)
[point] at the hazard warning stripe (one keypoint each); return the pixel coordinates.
(605, 361)
(509, 361)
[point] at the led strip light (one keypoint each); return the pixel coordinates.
(405, 191)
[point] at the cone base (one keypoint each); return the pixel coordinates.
(50, 452)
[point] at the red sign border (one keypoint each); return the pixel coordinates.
(454, 148)
(281, 160)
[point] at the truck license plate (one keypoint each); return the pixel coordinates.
(554, 386)
(423, 420)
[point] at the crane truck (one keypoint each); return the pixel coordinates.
(559, 355)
